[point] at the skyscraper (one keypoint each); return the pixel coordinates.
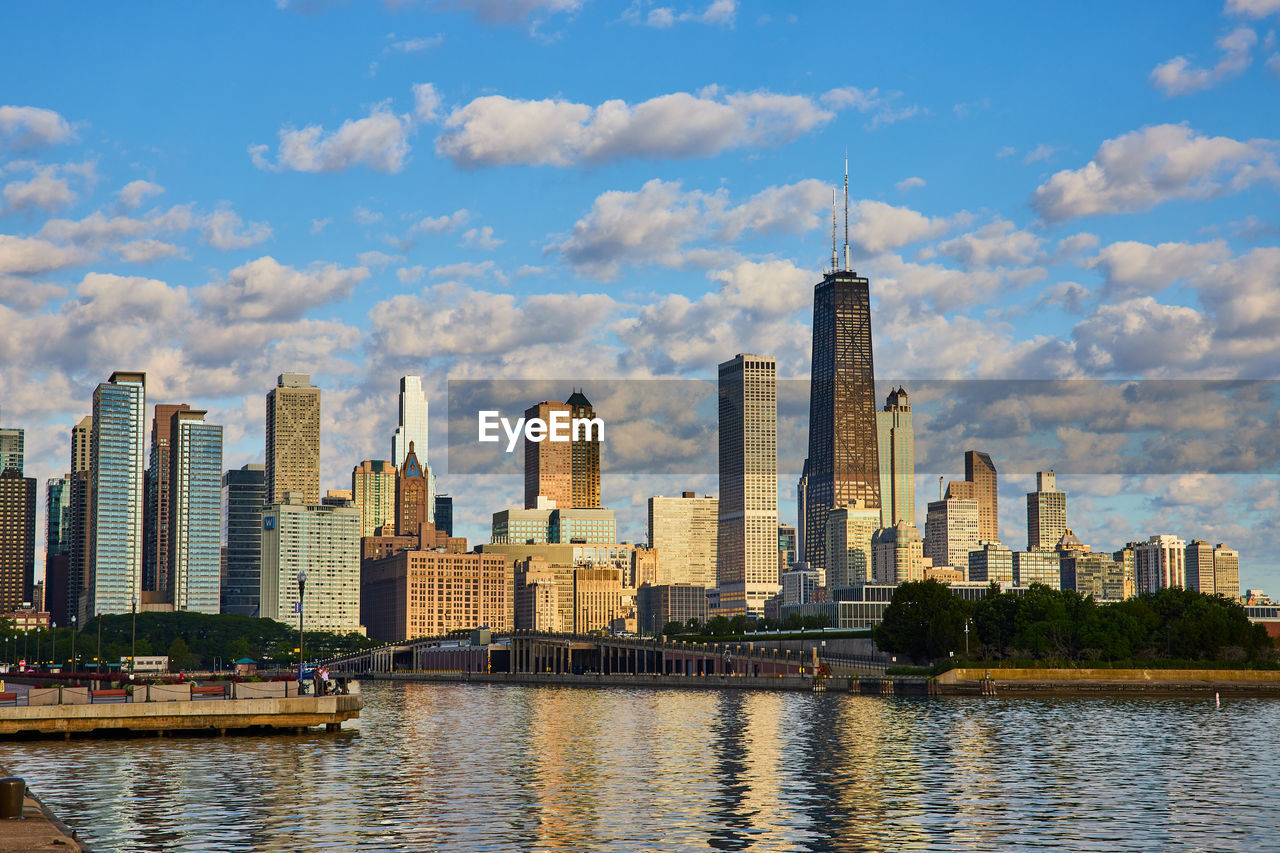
(848, 547)
(244, 492)
(325, 542)
(194, 579)
(585, 455)
(1160, 563)
(155, 522)
(684, 531)
(17, 538)
(747, 548)
(413, 504)
(293, 439)
(895, 439)
(413, 430)
(57, 548)
(81, 443)
(444, 514)
(843, 464)
(1199, 566)
(981, 471)
(1046, 513)
(113, 576)
(373, 489)
(11, 450)
(1226, 571)
(548, 465)
(951, 532)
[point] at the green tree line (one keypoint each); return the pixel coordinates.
(926, 622)
(191, 640)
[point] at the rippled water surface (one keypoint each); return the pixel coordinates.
(498, 768)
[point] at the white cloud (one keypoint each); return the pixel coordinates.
(884, 108)
(377, 260)
(1144, 168)
(147, 250)
(1178, 77)
(223, 229)
(1070, 296)
(440, 224)
(409, 275)
(481, 238)
(31, 127)
(318, 225)
(495, 130)
(1135, 269)
(878, 227)
(1253, 8)
(426, 102)
(1040, 152)
(418, 45)
(1006, 151)
(45, 191)
(792, 208)
(32, 255)
(267, 290)
(515, 12)
(997, 244)
(364, 216)
(721, 13)
(132, 193)
(379, 141)
(26, 294)
(468, 269)
(1142, 337)
(909, 184)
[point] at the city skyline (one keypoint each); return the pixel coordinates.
(1000, 233)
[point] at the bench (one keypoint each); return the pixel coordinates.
(9, 697)
(210, 690)
(121, 694)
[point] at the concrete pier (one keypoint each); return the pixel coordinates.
(39, 829)
(254, 707)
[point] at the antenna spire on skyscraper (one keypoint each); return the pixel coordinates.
(835, 263)
(848, 261)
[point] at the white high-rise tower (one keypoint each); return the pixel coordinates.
(413, 431)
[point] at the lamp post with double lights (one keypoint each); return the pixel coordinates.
(302, 654)
(98, 660)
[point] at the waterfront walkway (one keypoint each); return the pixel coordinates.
(39, 829)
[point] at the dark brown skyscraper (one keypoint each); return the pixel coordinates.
(585, 452)
(843, 464)
(548, 465)
(17, 538)
(155, 524)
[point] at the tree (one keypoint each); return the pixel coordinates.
(178, 654)
(672, 628)
(923, 620)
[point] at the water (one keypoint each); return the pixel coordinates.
(504, 768)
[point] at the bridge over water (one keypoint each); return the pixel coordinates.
(529, 652)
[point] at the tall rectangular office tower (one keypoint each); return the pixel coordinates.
(117, 451)
(11, 449)
(244, 492)
(293, 439)
(155, 513)
(843, 464)
(548, 465)
(896, 442)
(747, 547)
(1046, 513)
(195, 513)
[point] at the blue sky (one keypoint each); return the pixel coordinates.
(573, 190)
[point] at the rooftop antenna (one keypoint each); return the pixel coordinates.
(835, 264)
(848, 262)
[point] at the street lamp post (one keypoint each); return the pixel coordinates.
(39, 645)
(98, 660)
(133, 643)
(966, 638)
(53, 638)
(75, 657)
(302, 655)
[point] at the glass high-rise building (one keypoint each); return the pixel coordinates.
(57, 516)
(896, 442)
(444, 514)
(1046, 513)
(843, 465)
(747, 546)
(113, 576)
(195, 529)
(244, 492)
